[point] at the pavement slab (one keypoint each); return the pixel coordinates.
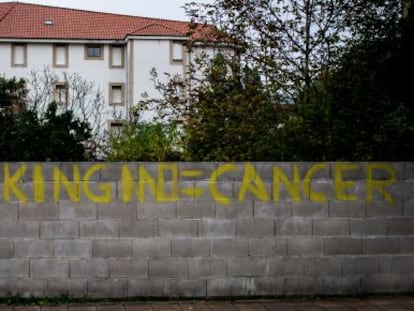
(376, 303)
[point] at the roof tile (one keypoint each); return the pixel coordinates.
(27, 21)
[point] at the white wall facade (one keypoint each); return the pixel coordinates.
(141, 55)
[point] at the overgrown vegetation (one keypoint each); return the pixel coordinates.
(308, 81)
(303, 80)
(27, 135)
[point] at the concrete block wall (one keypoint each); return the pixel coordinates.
(206, 229)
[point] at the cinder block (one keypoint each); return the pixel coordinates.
(82, 210)
(27, 288)
(63, 229)
(380, 208)
(330, 266)
(186, 288)
(151, 248)
(340, 285)
(264, 170)
(197, 170)
(196, 209)
(400, 191)
(227, 173)
(210, 190)
(408, 190)
(370, 226)
(251, 228)
(207, 267)
(177, 228)
(229, 247)
(305, 246)
(294, 226)
(246, 266)
(331, 227)
(324, 171)
(310, 209)
(234, 210)
(267, 286)
(117, 210)
(38, 211)
(133, 268)
(4, 290)
(387, 283)
(360, 265)
(325, 187)
(32, 248)
(380, 174)
(6, 248)
(138, 228)
(147, 194)
(400, 226)
(147, 288)
(381, 245)
(14, 268)
(168, 268)
(272, 210)
(112, 171)
(227, 287)
(242, 287)
(19, 229)
(111, 248)
(285, 266)
(69, 287)
(81, 268)
(190, 247)
(167, 288)
(347, 209)
(397, 264)
(217, 228)
(407, 245)
(408, 208)
(72, 248)
(268, 247)
(309, 285)
(250, 195)
(9, 210)
(112, 288)
(67, 170)
(343, 246)
(409, 171)
(155, 210)
(47, 267)
(47, 170)
(98, 229)
(94, 188)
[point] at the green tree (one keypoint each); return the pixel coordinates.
(227, 116)
(27, 135)
(363, 109)
(143, 141)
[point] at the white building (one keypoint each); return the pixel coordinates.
(116, 52)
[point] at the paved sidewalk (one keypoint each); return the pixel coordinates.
(400, 303)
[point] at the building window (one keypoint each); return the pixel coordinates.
(115, 126)
(60, 56)
(19, 55)
(176, 53)
(116, 57)
(116, 94)
(94, 52)
(60, 94)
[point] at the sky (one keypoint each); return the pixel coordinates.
(170, 9)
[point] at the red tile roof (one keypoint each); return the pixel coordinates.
(27, 21)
